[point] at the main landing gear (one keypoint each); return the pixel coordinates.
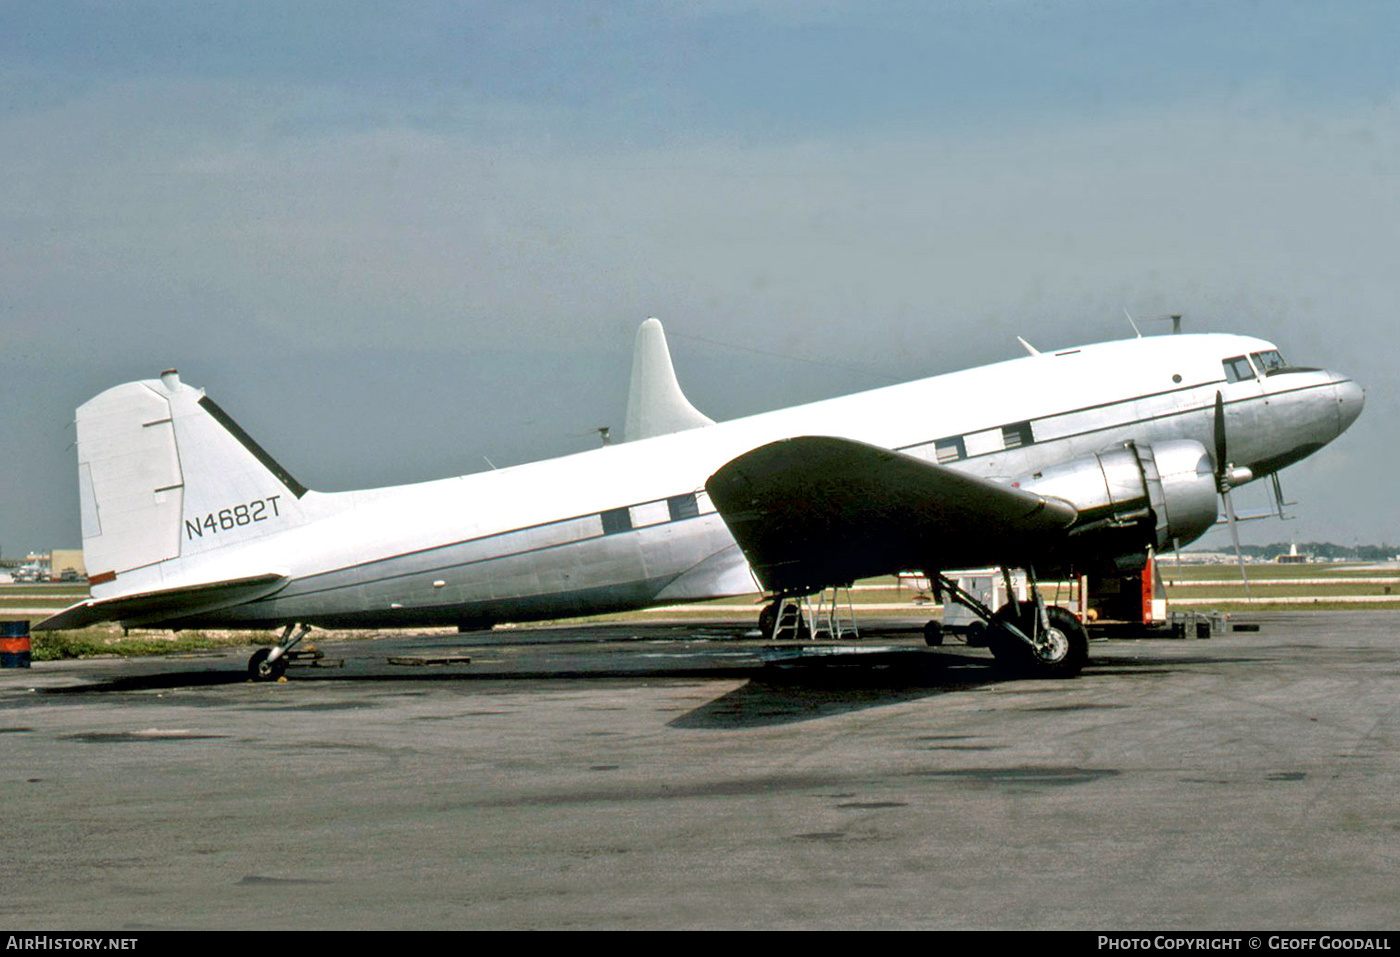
(269, 664)
(1027, 638)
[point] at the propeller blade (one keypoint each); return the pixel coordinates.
(1220, 452)
(1235, 539)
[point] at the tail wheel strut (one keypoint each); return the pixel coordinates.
(269, 664)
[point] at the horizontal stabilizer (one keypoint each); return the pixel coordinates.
(168, 604)
(815, 511)
(655, 403)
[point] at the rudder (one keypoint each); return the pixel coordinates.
(165, 474)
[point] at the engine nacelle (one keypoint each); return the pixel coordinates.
(1166, 492)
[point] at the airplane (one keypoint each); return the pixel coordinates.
(1082, 458)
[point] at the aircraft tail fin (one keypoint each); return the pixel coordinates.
(165, 475)
(655, 403)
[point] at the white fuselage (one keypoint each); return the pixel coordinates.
(630, 525)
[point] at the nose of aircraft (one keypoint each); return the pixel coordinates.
(1350, 400)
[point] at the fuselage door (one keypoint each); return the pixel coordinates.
(1245, 414)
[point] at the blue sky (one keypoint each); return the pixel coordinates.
(394, 239)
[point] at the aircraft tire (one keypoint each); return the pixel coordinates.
(260, 669)
(1012, 654)
(933, 633)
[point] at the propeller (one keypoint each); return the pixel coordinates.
(1226, 478)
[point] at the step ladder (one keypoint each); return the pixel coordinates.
(829, 616)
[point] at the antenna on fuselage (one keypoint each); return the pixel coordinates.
(1133, 324)
(1032, 350)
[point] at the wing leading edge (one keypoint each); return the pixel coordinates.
(814, 511)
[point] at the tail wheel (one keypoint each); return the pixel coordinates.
(260, 669)
(1062, 654)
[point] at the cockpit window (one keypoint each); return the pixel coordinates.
(1238, 369)
(1269, 362)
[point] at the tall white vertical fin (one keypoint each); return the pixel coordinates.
(130, 482)
(234, 490)
(655, 403)
(165, 475)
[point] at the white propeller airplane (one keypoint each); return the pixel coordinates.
(1082, 458)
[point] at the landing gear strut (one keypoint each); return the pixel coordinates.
(1029, 639)
(269, 664)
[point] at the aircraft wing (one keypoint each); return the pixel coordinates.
(814, 511)
(165, 604)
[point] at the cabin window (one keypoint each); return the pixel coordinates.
(683, 506)
(616, 520)
(1016, 435)
(1238, 369)
(1268, 362)
(950, 449)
